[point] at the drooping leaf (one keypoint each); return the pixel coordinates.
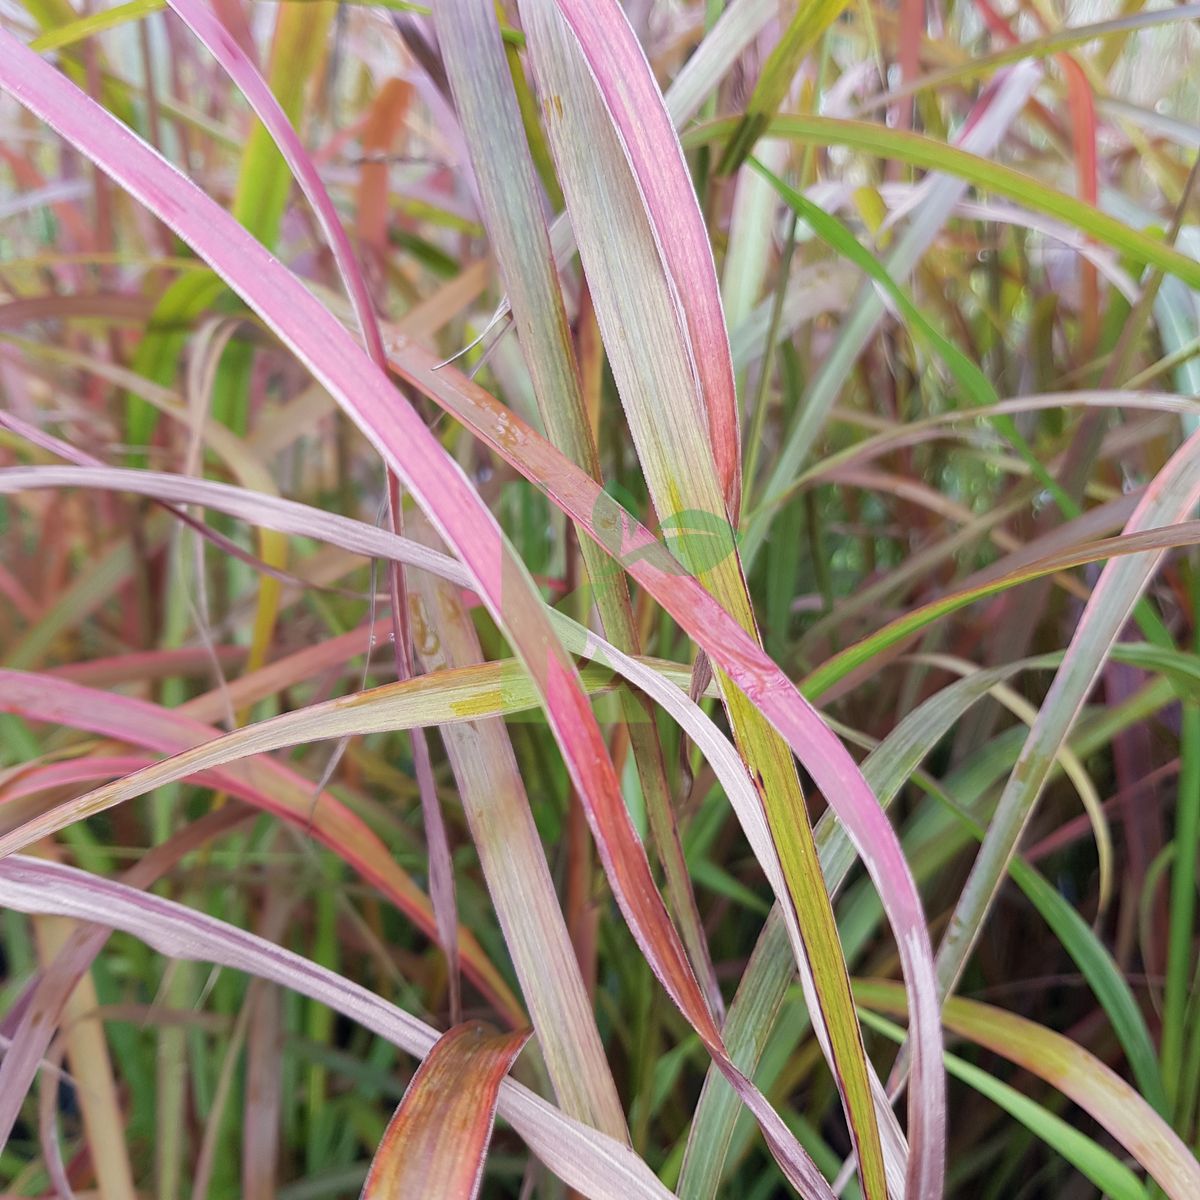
(588, 1161)
(1068, 1067)
(927, 152)
(653, 279)
(265, 784)
(1107, 1172)
(479, 75)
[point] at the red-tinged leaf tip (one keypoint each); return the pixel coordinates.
(436, 1143)
(640, 116)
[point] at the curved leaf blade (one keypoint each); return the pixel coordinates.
(437, 1140)
(922, 151)
(1073, 1071)
(442, 488)
(586, 1160)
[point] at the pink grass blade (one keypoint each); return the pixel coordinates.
(39, 1008)
(593, 1164)
(436, 1142)
(30, 780)
(734, 32)
(730, 648)
(204, 23)
(647, 135)
(618, 209)
(258, 508)
(480, 78)
(243, 71)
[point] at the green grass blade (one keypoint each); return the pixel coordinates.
(1074, 1072)
(1108, 1173)
(1172, 496)
(919, 150)
(806, 28)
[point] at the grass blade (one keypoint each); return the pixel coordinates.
(640, 115)
(269, 786)
(590, 1162)
(1172, 495)
(443, 490)
(805, 29)
(930, 154)
(436, 1141)
(637, 282)
(1107, 1172)
(514, 866)
(479, 76)
(1074, 1072)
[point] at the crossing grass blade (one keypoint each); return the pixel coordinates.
(265, 784)
(930, 154)
(479, 74)
(593, 1164)
(639, 114)
(805, 29)
(663, 392)
(1171, 496)
(213, 689)
(1105, 1170)
(514, 863)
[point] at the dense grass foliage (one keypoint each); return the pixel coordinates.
(599, 599)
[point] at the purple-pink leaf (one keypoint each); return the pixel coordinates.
(204, 23)
(735, 652)
(262, 782)
(243, 71)
(636, 106)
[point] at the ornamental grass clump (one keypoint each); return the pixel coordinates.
(598, 600)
